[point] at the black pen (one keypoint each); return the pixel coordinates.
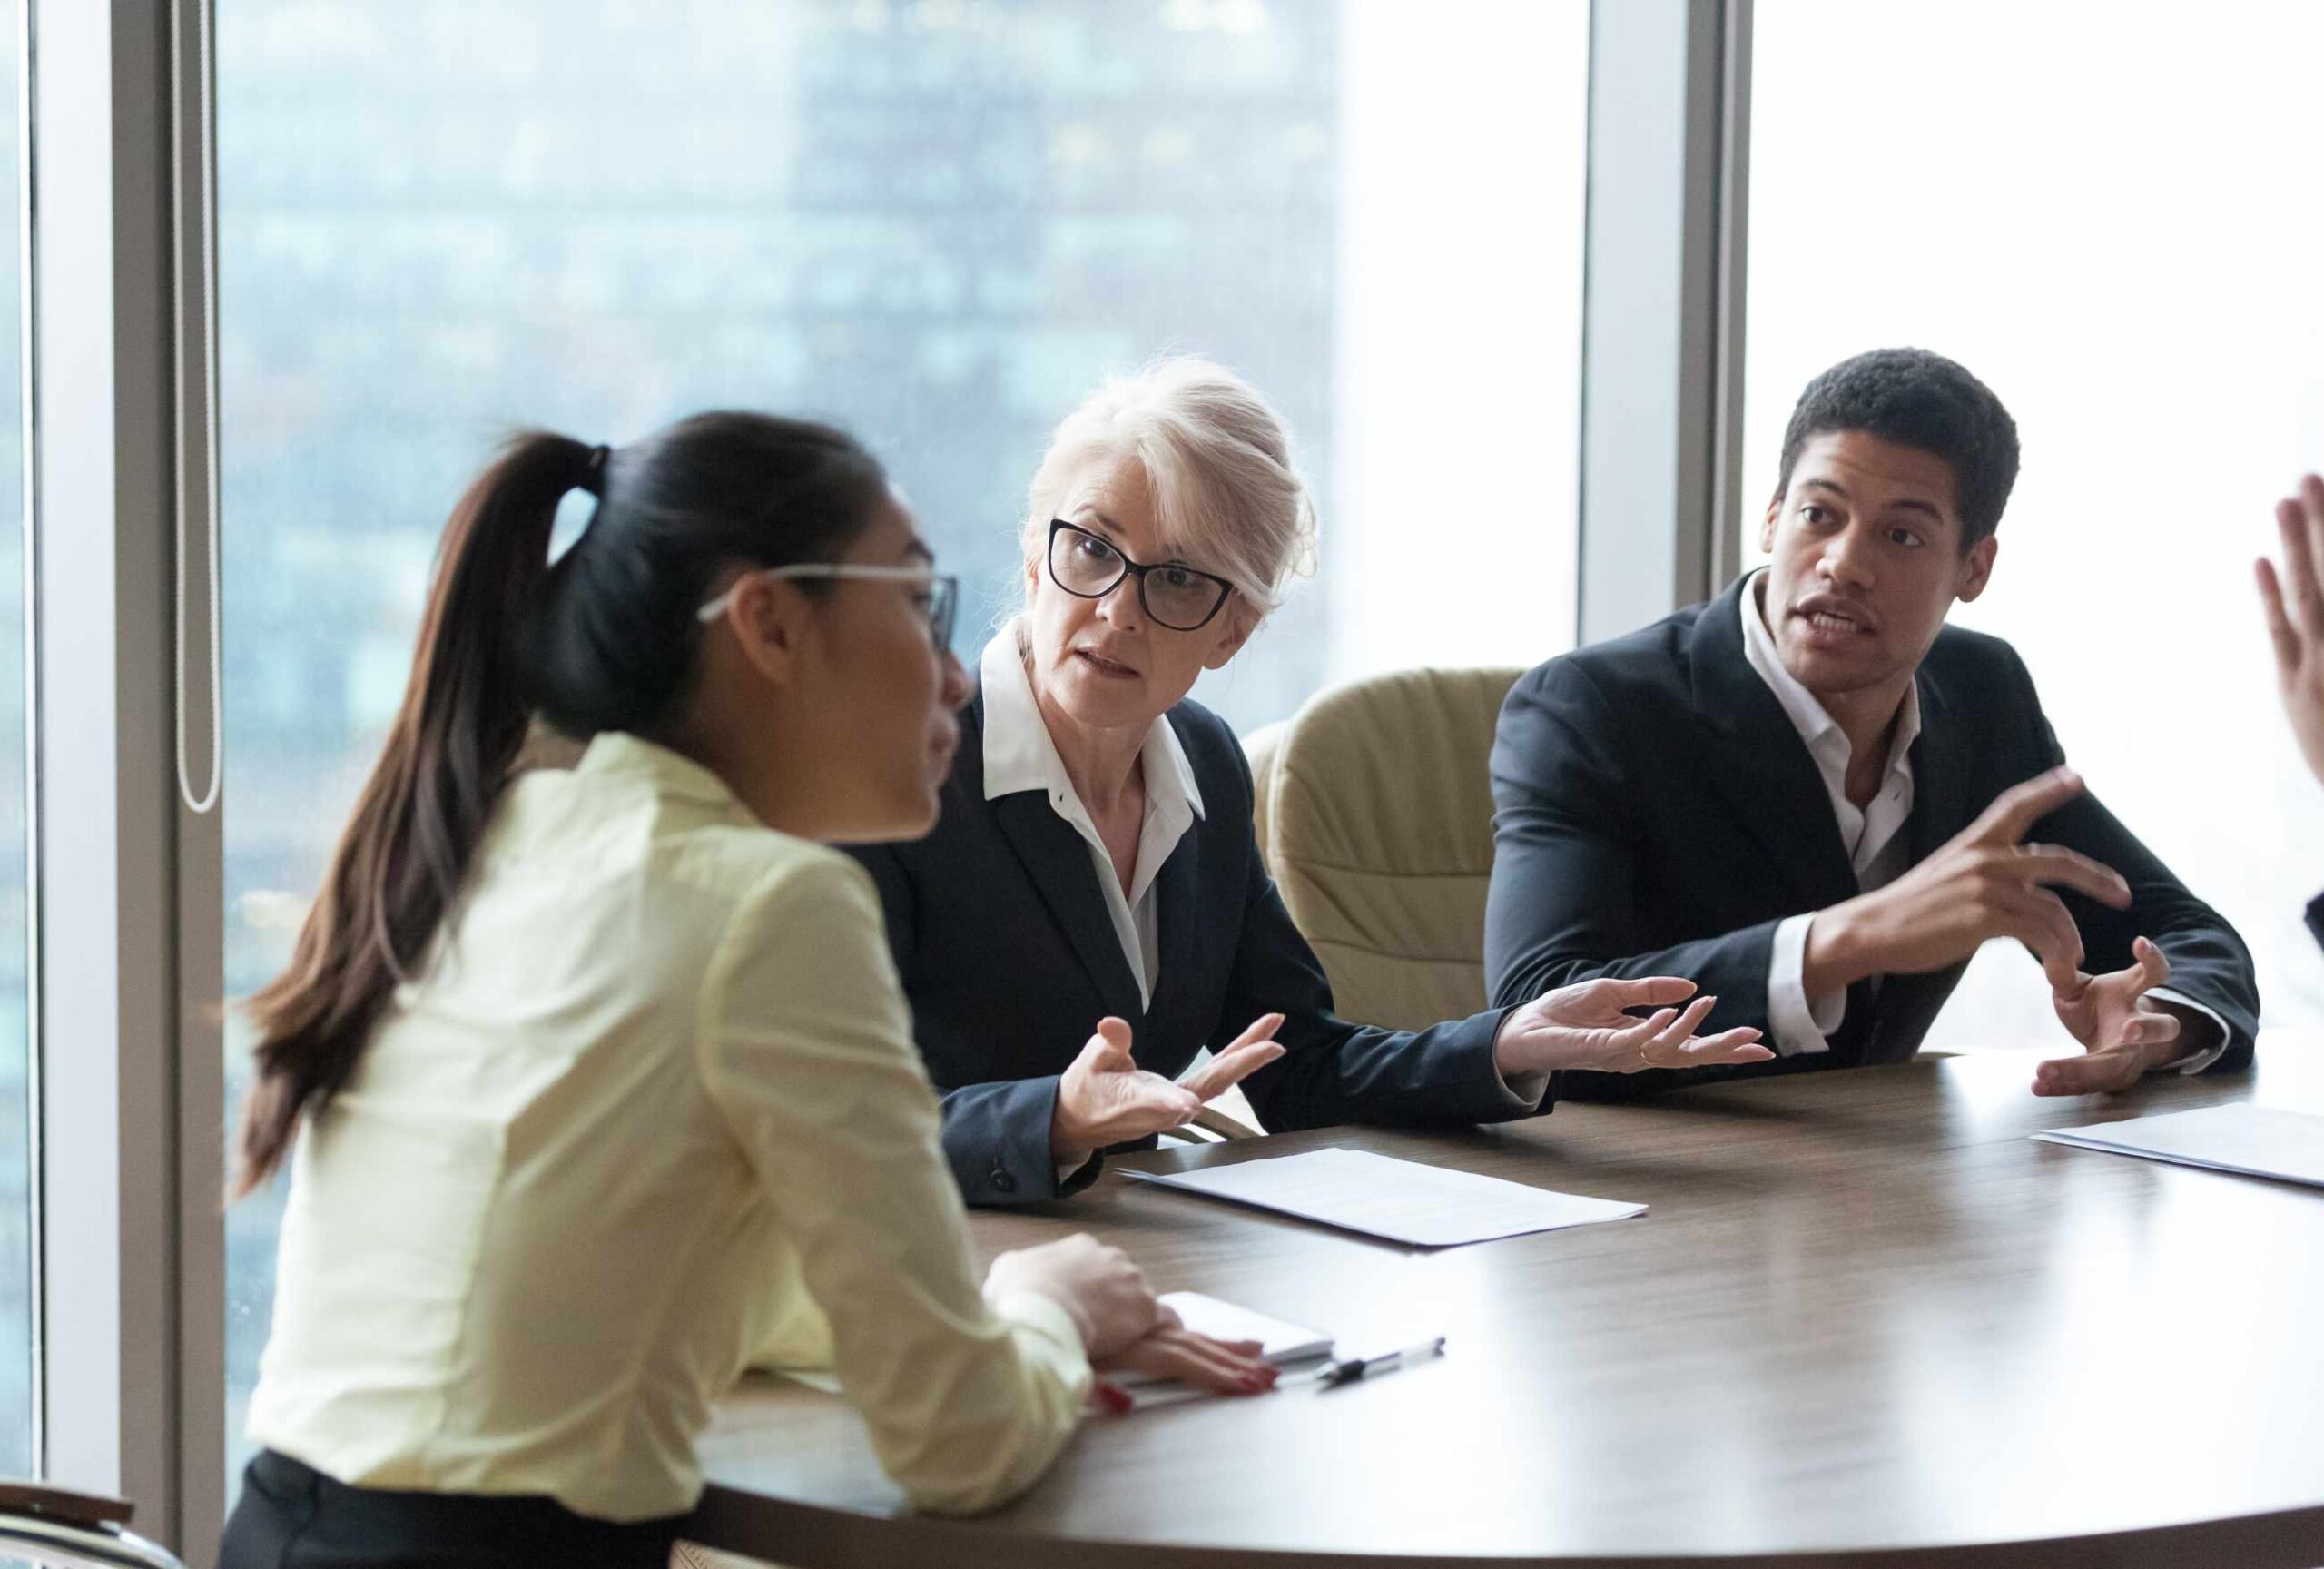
(1332, 1374)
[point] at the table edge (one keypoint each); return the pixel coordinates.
(818, 1536)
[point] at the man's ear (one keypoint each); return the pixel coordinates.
(1977, 568)
(1768, 524)
(1241, 622)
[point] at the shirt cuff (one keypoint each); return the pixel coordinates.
(1799, 1025)
(1048, 1320)
(2200, 1060)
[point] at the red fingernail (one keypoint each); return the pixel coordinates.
(1112, 1398)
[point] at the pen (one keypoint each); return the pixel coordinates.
(1347, 1370)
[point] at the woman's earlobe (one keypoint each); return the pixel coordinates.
(1231, 645)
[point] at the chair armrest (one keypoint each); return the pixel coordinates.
(20, 1495)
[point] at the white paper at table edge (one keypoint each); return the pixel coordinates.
(1177, 1179)
(2093, 1136)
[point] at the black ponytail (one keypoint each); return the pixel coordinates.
(606, 641)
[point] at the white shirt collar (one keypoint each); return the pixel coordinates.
(1019, 755)
(1817, 728)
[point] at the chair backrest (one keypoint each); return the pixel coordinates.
(1379, 830)
(1261, 748)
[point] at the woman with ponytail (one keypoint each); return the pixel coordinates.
(594, 1083)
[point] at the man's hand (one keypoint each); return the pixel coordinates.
(2123, 1035)
(1983, 883)
(2296, 619)
(1589, 1026)
(1106, 1098)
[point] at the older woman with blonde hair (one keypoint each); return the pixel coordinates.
(1092, 909)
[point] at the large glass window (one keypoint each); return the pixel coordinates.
(939, 223)
(17, 1354)
(2109, 216)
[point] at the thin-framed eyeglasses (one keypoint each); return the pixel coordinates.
(943, 591)
(1088, 566)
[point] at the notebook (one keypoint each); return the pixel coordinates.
(1281, 1342)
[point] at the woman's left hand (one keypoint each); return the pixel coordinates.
(1217, 1367)
(1590, 1026)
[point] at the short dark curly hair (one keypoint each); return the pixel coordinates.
(1917, 399)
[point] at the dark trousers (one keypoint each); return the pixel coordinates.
(292, 1517)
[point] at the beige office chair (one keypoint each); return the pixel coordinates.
(55, 1526)
(1379, 834)
(1262, 748)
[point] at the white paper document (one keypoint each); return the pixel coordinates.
(2249, 1141)
(1400, 1200)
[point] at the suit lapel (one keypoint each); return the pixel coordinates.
(1759, 763)
(1057, 861)
(1941, 805)
(1173, 915)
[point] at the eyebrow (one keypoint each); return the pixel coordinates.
(1903, 503)
(917, 549)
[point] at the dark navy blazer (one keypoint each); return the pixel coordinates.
(1656, 813)
(1000, 933)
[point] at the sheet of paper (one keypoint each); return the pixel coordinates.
(1400, 1200)
(1280, 1340)
(2249, 1140)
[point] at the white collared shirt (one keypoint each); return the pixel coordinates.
(1018, 755)
(1873, 837)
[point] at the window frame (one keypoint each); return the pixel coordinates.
(130, 1177)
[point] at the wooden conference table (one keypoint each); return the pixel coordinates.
(1863, 1319)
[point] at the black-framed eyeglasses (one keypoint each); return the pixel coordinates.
(1087, 567)
(943, 591)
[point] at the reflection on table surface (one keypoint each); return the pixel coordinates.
(1864, 1311)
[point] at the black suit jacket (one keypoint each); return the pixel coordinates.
(999, 931)
(1656, 813)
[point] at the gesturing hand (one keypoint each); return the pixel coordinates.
(1106, 1098)
(1586, 1026)
(2122, 1034)
(1981, 883)
(2298, 628)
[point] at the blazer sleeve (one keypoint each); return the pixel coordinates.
(1562, 904)
(1333, 1071)
(996, 1135)
(968, 1397)
(2209, 962)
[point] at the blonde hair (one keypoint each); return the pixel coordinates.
(1217, 461)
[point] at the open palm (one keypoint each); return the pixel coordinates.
(1589, 1025)
(1105, 1097)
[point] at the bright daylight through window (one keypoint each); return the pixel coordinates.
(1998, 181)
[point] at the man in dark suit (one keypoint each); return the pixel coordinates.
(2295, 626)
(1818, 799)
